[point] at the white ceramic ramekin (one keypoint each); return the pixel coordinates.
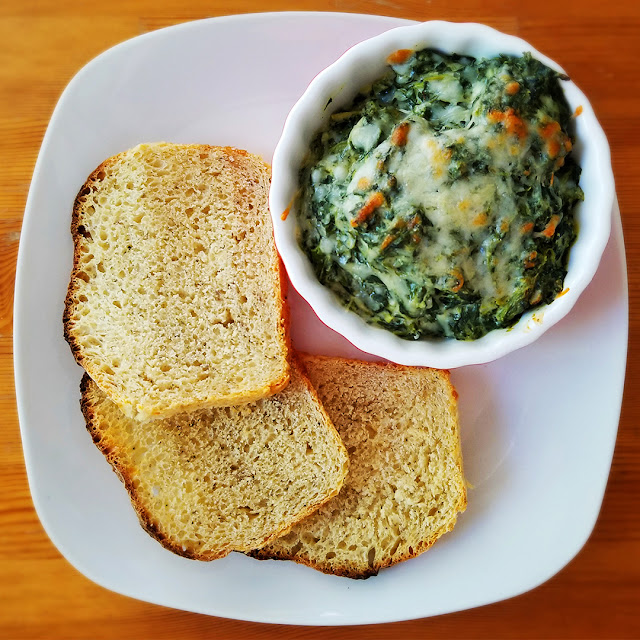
(335, 87)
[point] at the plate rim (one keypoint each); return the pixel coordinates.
(19, 340)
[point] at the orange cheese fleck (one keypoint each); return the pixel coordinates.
(549, 130)
(400, 56)
(512, 88)
(550, 229)
(414, 222)
(457, 274)
(375, 200)
(527, 227)
(512, 122)
(400, 134)
(364, 183)
(386, 242)
(553, 147)
(481, 219)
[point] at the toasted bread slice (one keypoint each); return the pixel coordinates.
(405, 485)
(175, 300)
(222, 479)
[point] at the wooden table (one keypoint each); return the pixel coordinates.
(42, 44)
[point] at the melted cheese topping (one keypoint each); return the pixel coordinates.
(414, 206)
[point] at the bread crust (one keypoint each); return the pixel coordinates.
(93, 366)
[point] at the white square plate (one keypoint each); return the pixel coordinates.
(538, 426)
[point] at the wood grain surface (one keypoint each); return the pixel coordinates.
(43, 43)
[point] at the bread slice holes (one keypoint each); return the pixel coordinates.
(82, 298)
(308, 451)
(164, 368)
(330, 556)
(395, 547)
(249, 512)
(206, 210)
(371, 556)
(228, 319)
(100, 267)
(372, 433)
(117, 303)
(107, 369)
(433, 511)
(83, 276)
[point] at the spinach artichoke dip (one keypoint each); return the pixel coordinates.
(439, 204)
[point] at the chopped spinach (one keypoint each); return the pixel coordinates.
(440, 202)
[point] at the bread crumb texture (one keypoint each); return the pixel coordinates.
(405, 485)
(175, 296)
(222, 479)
